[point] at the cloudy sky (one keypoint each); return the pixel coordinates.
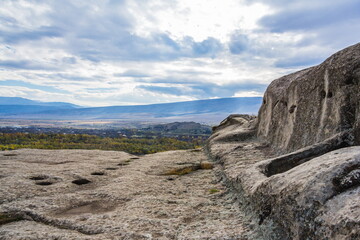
(122, 52)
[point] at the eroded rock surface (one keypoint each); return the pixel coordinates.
(316, 198)
(84, 194)
(314, 104)
(312, 117)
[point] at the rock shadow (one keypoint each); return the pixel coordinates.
(81, 181)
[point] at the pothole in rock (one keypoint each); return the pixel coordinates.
(185, 163)
(123, 164)
(6, 218)
(196, 150)
(9, 154)
(111, 168)
(59, 163)
(92, 207)
(133, 158)
(81, 181)
(45, 183)
(350, 177)
(98, 173)
(40, 177)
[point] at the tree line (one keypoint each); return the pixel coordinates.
(12, 141)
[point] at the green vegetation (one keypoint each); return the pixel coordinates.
(182, 171)
(11, 141)
(213, 190)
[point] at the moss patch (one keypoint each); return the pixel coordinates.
(213, 190)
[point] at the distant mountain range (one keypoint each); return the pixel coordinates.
(207, 111)
(28, 102)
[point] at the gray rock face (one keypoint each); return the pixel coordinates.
(314, 104)
(305, 194)
(312, 117)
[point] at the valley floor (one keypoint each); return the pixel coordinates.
(91, 194)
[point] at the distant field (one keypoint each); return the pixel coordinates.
(12, 141)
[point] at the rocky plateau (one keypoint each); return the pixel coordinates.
(90, 194)
(293, 172)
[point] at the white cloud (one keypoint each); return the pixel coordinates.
(197, 19)
(139, 52)
(248, 94)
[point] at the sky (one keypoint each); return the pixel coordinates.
(127, 52)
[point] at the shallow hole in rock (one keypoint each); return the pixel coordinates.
(43, 183)
(329, 95)
(350, 177)
(38, 178)
(92, 207)
(58, 163)
(10, 154)
(8, 218)
(266, 211)
(322, 94)
(81, 181)
(350, 81)
(98, 173)
(292, 108)
(111, 168)
(196, 150)
(135, 158)
(123, 164)
(184, 163)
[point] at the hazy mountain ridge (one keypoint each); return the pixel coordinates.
(15, 101)
(192, 110)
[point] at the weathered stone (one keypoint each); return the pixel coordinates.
(314, 104)
(133, 202)
(313, 118)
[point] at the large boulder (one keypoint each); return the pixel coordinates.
(296, 169)
(314, 104)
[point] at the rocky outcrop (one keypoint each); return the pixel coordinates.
(312, 117)
(314, 104)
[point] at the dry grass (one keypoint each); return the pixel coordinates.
(213, 190)
(182, 171)
(189, 169)
(206, 165)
